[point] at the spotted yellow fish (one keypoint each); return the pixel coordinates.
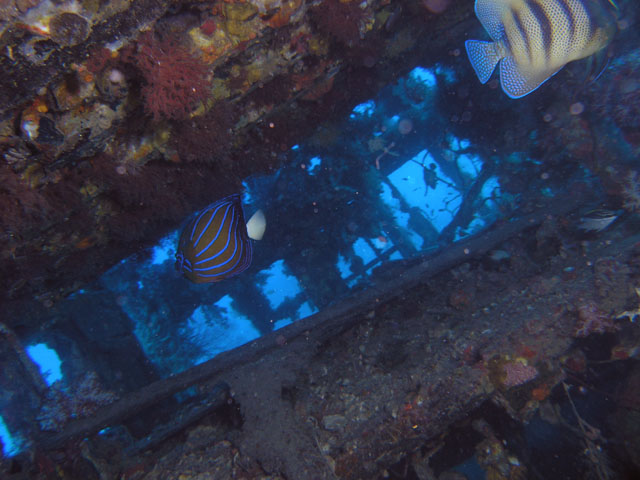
(534, 39)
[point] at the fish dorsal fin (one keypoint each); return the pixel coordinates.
(490, 13)
(516, 83)
(256, 225)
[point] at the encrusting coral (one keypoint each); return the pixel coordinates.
(340, 20)
(175, 79)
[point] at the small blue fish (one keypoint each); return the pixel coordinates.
(216, 244)
(534, 39)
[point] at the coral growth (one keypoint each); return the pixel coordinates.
(611, 280)
(175, 80)
(617, 95)
(100, 58)
(341, 20)
(31, 196)
(82, 400)
(206, 138)
(68, 29)
(436, 6)
(631, 192)
(283, 16)
(517, 373)
(592, 320)
(274, 92)
(20, 202)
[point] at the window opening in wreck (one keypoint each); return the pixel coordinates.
(47, 360)
(9, 442)
(371, 252)
(365, 109)
(217, 328)
(314, 164)
(279, 285)
(444, 199)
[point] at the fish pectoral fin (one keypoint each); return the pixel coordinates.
(484, 56)
(256, 225)
(516, 83)
(597, 64)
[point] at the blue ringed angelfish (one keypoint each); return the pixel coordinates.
(534, 39)
(216, 244)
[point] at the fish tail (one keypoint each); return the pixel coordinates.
(484, 56)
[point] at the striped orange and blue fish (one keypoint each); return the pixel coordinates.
(216, 243)
(534, 39)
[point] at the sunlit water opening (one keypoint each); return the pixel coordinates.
(279, 284)
(49, 365)
(218, 328)
(10, 445)
(47, 360)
